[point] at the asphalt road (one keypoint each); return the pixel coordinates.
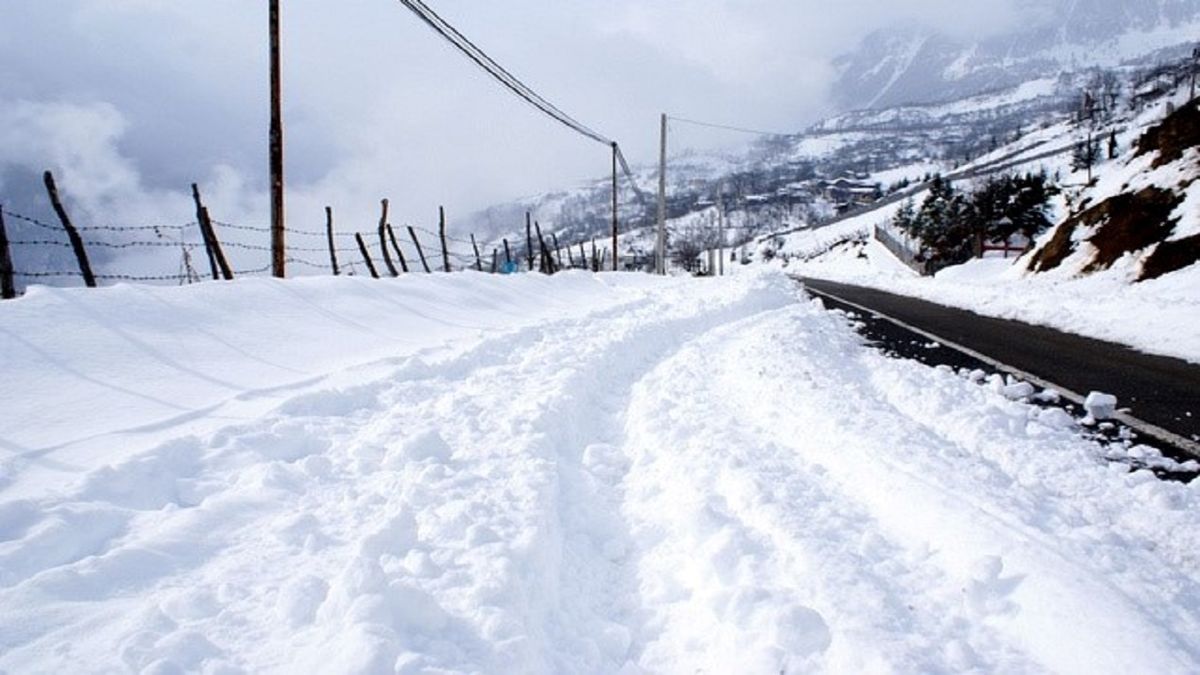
(1159, 390)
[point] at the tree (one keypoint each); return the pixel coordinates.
(693, 239)
(951, 224)
(1086, 154)
(1007, 205)
(942, 223)
(906, 217)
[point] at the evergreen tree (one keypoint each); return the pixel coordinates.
(950, 223)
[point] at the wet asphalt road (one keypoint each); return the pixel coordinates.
(1160, 390)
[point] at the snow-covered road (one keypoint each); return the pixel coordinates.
(669, 476)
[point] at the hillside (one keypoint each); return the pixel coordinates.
(842, 164)
(1119, 263)
(1142, 214)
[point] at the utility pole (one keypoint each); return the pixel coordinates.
(614, 206)
(660, 246)
(278, 250)
(721, 228)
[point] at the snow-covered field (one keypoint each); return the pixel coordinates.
(613, 473)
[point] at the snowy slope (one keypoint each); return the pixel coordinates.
(912, 64)
(1157, 315)
(579, 474)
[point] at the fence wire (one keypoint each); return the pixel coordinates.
(188, 239)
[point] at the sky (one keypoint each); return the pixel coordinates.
(130, 101)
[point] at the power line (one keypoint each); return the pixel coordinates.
(727, 127)
(512, 83)
(489, 65)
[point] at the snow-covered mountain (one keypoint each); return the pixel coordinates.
(912, 64)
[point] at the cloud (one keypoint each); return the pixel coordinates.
(132, 100)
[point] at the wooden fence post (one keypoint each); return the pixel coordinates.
(208, 249)
(396, 245)
(529, 240)
(362, 247)
(216, 257)
(495, 255)
(442, 236)
(85, 267)
(8, 290)
(595, 257)
(547, 262)
(226, 271)
(383, 243)
(329, 235)
(413, 233)
(478, 260)
(507, 253)
(570, 257)
(557, 250)
(582, 256)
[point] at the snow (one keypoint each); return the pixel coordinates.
(1100, 406)
(577, 474)
(1157, 316)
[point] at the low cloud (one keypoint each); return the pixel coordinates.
(130, 101)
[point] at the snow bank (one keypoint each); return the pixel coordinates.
(1158, 316)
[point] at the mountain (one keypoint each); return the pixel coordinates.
(907, 65)
(972, 103)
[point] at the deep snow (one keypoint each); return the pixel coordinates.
(612, 473)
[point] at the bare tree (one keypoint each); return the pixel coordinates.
(692, 239)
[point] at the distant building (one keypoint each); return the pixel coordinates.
(850, 192)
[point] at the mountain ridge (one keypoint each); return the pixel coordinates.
(913, 64)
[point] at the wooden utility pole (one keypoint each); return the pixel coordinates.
(278, 250)
(660, 242)
(614, 205)
(721, 230)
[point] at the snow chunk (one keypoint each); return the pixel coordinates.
(1056, 418)
(1018, 391)
(1100, 406)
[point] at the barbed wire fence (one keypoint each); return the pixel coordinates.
(34, 254)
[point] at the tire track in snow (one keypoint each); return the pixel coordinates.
(458, 513)
(751, 561)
